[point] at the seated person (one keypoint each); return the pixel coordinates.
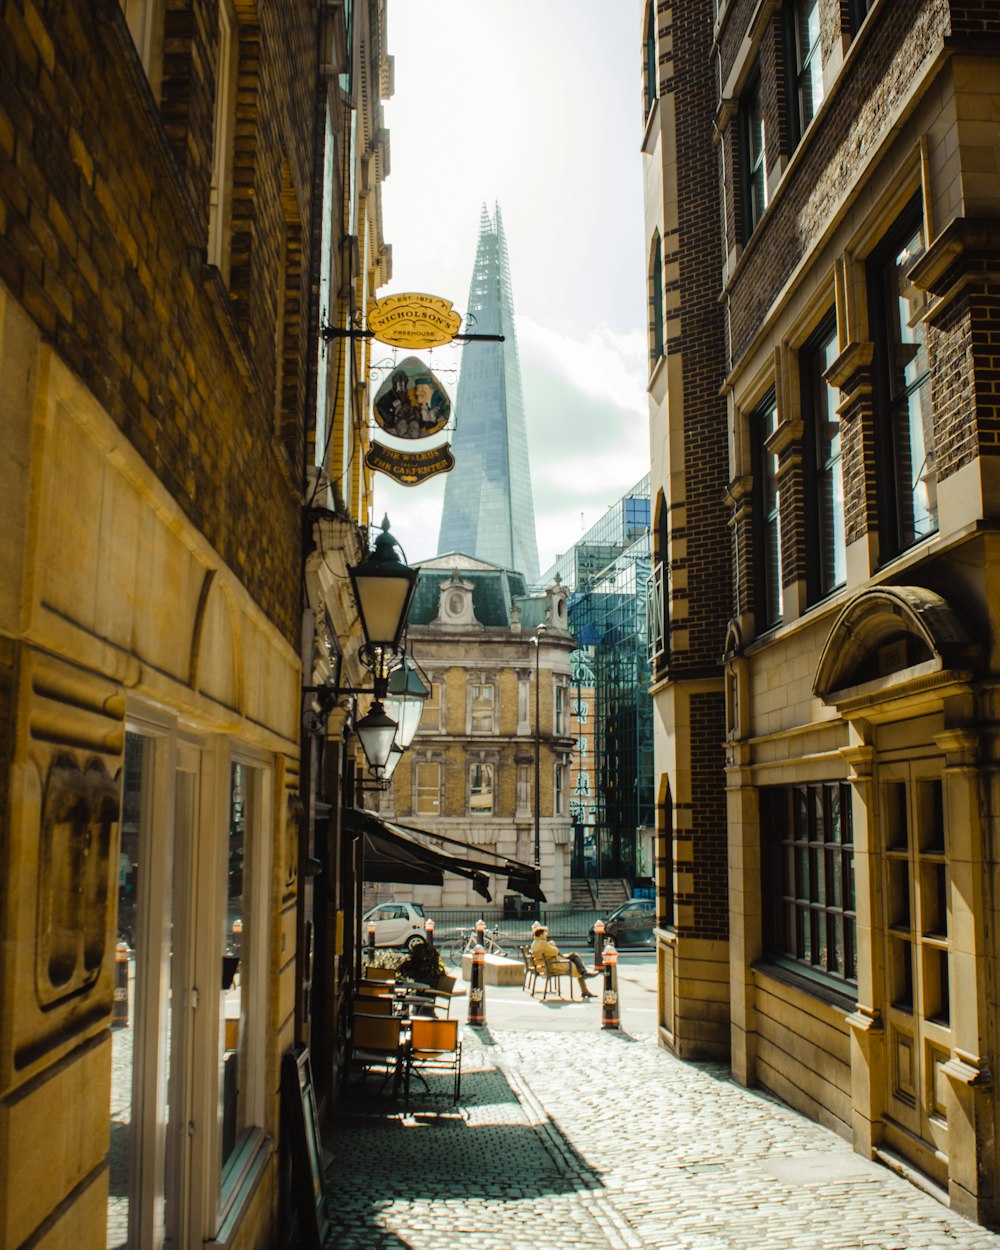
(541, 945)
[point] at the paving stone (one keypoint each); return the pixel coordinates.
(595, 1144)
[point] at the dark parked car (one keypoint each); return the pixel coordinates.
(631, 924)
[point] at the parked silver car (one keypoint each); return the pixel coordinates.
(396, 924)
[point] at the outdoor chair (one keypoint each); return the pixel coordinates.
(555, 970)
(530, 970)
(373, 1004)
(434, 1047)
(379, 974)
(379, 1043)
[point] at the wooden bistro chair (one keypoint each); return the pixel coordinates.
(434, 1047)
(378, 1043)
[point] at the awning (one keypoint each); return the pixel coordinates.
(416, 857)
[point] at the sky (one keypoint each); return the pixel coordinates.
(533, 105)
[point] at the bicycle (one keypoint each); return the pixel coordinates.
(469, 939)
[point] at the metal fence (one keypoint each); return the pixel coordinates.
(561, 922)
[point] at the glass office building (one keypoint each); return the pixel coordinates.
(612, 804)
(488, 507)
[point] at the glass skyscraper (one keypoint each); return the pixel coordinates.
(488, 507)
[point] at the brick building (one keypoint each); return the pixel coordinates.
(470, 772)
(188, 191)
(823, 208)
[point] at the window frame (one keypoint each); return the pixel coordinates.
(220, 200)
(651, 69)
(896, 518)
(813, 389)
(482, 766)
(799, 69)
(752, 95)
(481, 683)
(657, 322)
(426, 788)
(800, 919)
(769, 613)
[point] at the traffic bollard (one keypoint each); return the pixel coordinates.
(429, 931)
(481, 933)
(598, 944)
(371, 937)
(119, 1015)
(477, 988)
(609, 1000)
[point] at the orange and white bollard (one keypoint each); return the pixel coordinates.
(477, 988)
(598, 944)
(371, 937)
(429, 931)
(119, 1014)
(609, 999)
(481, 933)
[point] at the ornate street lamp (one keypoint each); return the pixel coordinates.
(405, 698)
(383, 590)
(376, 733)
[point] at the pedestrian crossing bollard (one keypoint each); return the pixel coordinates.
(119, 1015)
(429, 931)
(609, 999)
(598, 943)
(371, 937)
(477, 988)
(481, 933)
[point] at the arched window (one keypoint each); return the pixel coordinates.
(656, 339)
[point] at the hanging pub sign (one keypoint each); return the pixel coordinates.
(410, 467)
(411, 402)
(413, 321)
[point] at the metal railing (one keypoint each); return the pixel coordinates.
(561, 922)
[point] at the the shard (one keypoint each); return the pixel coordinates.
(488, 508)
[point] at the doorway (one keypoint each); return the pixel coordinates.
(917, 971)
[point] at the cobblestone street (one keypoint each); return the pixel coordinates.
(600, 1140)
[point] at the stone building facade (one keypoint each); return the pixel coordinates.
(172, 190)
(849, 168)
(470, 772)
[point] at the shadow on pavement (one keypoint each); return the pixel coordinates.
(441, 1155)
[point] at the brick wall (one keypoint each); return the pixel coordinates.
(907, 35)
(103, 240)
(703, 576)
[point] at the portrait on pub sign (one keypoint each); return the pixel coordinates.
(411, 402)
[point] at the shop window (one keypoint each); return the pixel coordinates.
(238, 946)
(822, 434)
(752, 135)
(907, 478)
(767, 515)
(427, 788)
(805, 63)
(482, 707)
(481, 790)
(807, 855)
